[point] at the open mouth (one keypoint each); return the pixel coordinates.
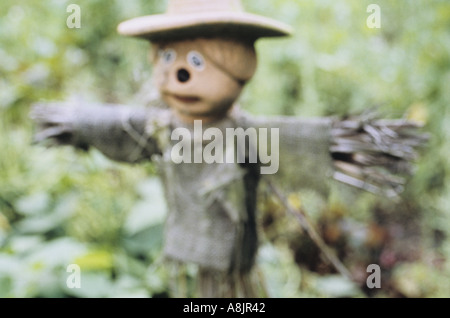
(186, 99)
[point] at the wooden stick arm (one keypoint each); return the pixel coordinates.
(117, 131)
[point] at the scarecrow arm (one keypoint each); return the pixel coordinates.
(375, 155)
(117, 131)
(302, 150)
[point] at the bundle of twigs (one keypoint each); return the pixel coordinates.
(375, 154)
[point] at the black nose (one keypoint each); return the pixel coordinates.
(183, 75)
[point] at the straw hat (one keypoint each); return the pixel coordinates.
(190, 18)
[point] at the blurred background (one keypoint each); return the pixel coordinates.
(61, 206)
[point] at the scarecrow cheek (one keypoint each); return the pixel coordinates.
(160, 76)
(217, 89)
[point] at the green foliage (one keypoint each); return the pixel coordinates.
(61, 207)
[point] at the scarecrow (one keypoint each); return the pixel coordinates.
(203, 54)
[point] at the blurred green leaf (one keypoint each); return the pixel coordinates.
(33, 204)
(150, 210)
(145, 241)
(93, 285)
(24, 244)
(337, 286)
(43, 223)
(5, 286)
(59, 252)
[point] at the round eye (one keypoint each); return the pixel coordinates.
(196, 60)
(167, 56)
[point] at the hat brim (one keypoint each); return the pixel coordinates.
(163, 27)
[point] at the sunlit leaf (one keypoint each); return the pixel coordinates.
(95, 260)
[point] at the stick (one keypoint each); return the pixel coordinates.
(302, 218)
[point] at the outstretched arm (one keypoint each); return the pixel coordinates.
(117, 131)
(373, 154)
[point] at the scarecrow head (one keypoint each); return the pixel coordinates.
(203, 53)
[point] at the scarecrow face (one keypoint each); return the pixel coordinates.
(202, 78)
